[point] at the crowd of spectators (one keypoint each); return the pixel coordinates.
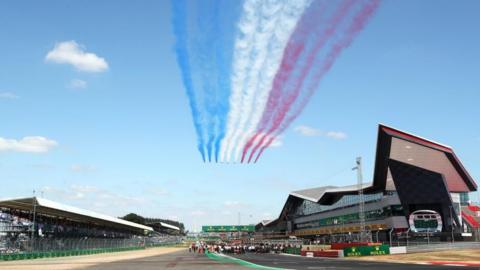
(14, 221)
(59, 233)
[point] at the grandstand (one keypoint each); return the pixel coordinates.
(163, 227)
(37, 223)
(419, 188)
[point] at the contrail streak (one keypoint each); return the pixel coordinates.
(223, 55)
(283, 93)
(281, 27)
(357, 25)
(181, 47)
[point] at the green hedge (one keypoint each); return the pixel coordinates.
(63, 253)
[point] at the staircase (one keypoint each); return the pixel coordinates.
(471, 214)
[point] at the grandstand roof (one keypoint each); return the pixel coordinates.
(398, 145)
(327, 194)
(267, 222)
(51, 208)
(163, 224)
(166, 225)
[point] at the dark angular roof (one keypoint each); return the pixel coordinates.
(394, 144)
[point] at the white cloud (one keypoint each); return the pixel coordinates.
(313, 132)
(308, 131)
(226, 213)
(277, 142)
(232, 204)
(173, 217)
(29, 144)
(198, 213)
(337, 135)
(43, 166)
(77, 84)
(159, 191)
(91, 197)
(70, 52)
(73, 193)
(86, 188)
(81, 168)
(8, 95)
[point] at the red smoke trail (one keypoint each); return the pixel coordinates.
(291, 54)
(324, 36)
(357, 25)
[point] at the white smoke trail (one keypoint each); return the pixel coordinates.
(241, 61)
(290, 13)
(267, 31)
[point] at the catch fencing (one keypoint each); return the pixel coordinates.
(64, 244)
(42, 245)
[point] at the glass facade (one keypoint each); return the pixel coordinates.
(464, 198)
(309, 207)
(379, 214)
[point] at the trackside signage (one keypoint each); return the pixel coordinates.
(228, 228)
(366, 251)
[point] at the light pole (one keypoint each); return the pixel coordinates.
(451, 222)
(407, 235)
(428, 236)
(378, 230)
(361, 201)
(390, 236)
(34, 202)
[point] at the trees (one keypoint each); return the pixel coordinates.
(132, 217)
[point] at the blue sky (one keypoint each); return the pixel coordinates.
(120, 138)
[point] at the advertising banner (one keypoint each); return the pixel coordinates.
(366, 251)
(228, 228)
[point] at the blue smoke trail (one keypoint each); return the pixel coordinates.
(204, 48)
(212, 52)
(179, 10)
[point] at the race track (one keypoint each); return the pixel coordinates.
(304, 263)
(181, 260)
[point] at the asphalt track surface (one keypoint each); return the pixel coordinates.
(181, 260)
(301, 263)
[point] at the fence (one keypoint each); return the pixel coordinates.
(64, 244)
(26, 248)
(51, 254)
(422, 247)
